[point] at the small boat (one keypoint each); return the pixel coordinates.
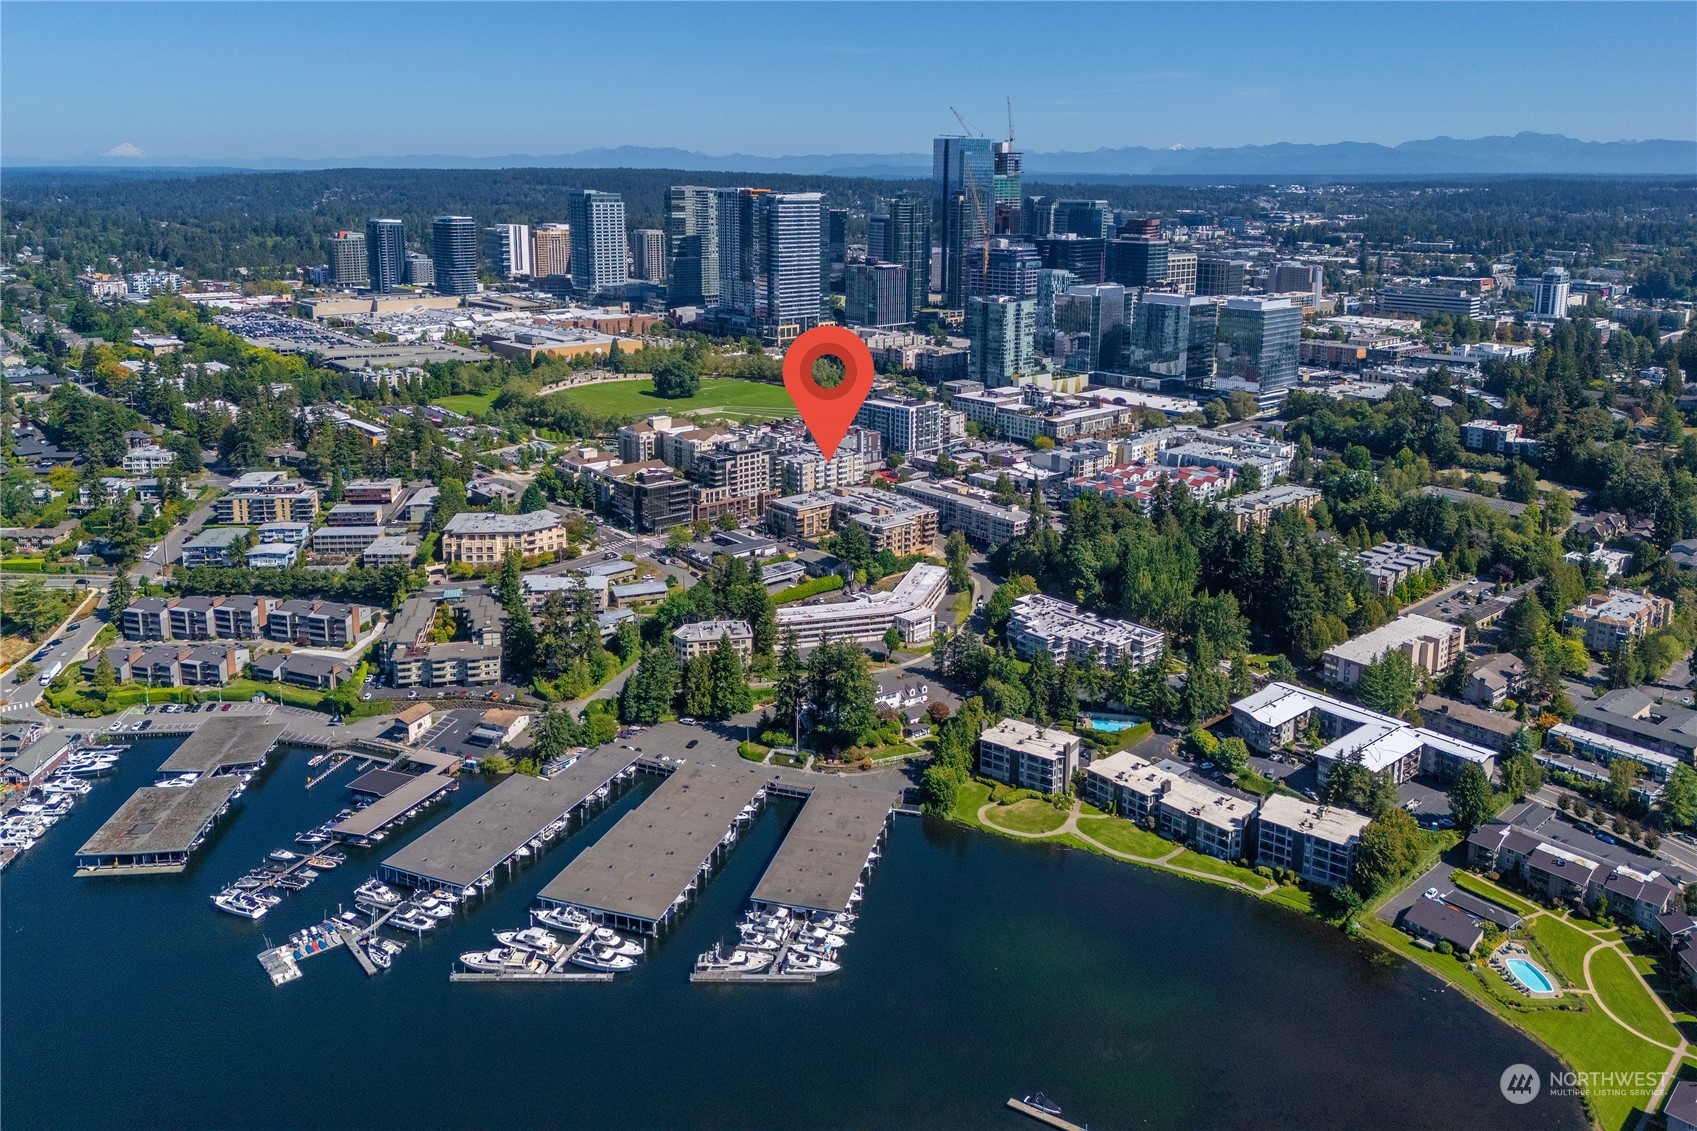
(283, 855)
(803, 963)
(379, 955)
(738, 961)
(1043, 1103)
(759, 940)
(324, 862)
(372, 891)
(617, 943)
(561, 919)
(486, 882)
(533, 939)
(603, 793)
(602, 958)
(820, 937)
(522, 852)
(412, 920)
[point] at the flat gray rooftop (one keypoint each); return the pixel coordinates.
(826, 848)
(155, 820)
(413, 791)
(474, 840)
(220, 742)
(645, 861)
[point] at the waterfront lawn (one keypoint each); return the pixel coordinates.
(1627, 997)
(1565, 945)
(726, 396)
(1028, 816)
(1123, 836)
(1485, 889)
(969, 799)
(1197, 862)
(468, 404)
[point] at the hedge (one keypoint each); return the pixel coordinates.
(808, 589)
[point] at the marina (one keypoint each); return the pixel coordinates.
(639, 875)
(222, 746)
(497, 828)
(395, 797)
(157, 829)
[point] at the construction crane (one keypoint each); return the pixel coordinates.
(970, 132)
(1010, 123)
(972, 186)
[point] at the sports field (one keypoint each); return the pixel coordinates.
(468, 404)
(719, 396)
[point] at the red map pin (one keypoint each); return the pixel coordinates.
(828, 412)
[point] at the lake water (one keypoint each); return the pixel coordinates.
(981, 969)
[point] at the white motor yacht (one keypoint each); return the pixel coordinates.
(562, 919)
(759, 940)
(533, 939)
(501, 960)
(803, 963)
(616, 942)
(374, 892)
(240, 903)
(602, 958)
(820, 937)
(412, 920)
(434, 907)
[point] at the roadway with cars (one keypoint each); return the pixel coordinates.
(72, 643)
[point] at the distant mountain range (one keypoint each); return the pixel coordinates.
(1523, 153)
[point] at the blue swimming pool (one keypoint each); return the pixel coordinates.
(1529, 975)
(1108, 725)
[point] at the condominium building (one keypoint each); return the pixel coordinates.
(1317, 842)
(900, 233)
(1610, 619)
(962, 172)
(317, 624)
(648, 254)
(453, 253)
(600, 251)
(892, 522)
(1041, 623)
(173, 665)
(1389, 564)
(344, 541)
(1002, 332)
(692, 241)
(968, 509)
(875, 294)
(910, 608)
(214, 546)
(253, 508)
(906, 423)
(355, 514)
(1490, 729)
(391, 549)
(551, 249)
(348, 263)
(1028, 756)
(1632, 715)
(702, 637)
(386, 254)
(409, 659)
(484, 539)
(1549, 296)
(646, 496)
(1192, 812)
(1432, 645)
(508, 251)
(1257, 508)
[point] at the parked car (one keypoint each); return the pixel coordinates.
(1606, 838)
(225, 707)
(692, 744)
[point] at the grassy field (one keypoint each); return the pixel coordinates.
(1626, 995)
(719, 396)
(1566, 945)
(468, 404)
(970, 798)
(1197, 862)
(1123, 836)
(1485, 889)
(1028, 816)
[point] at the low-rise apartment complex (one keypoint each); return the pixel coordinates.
(1046, 624)
(1028, 756)
(1432, 645)
(1610, 619)
(484, 539)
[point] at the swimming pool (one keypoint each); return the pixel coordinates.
(1107, 725)
(1530, 976)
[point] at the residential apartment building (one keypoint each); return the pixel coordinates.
(700, 638)
(1491, 729)
(876, 295)
(173, 665)
(1389, 564)
(910, 608)
(1631, 715)
(1557, 874)
(600, 250)
(907, 424)
(968, 509)
(214, 546)
(551, 246)
(1317, 842)
(1047, 624)
(453, 252)
(1610, 619)
(344, 541)
(484, 539)
(409, 659)
(348, 261)
(386, 253)
(892, 522)
(1497, 439)
(1180, 808)
(1432, 645)
(253, 508)
(1002, 332)
(1257, 508)
(508, 251)
(1028, 756)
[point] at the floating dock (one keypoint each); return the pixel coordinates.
(156, 830)
(223, 746)
(1044, 1117)
(640, 873)
(397, 795)
(468, 846)
(826, 850)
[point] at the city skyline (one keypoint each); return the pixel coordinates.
(1256, 83)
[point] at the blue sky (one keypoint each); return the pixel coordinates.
(323, 80)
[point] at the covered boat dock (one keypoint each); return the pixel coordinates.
(826, 849)
(156, 830)
(224, 746)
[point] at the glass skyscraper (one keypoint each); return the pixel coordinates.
(1000, 329)
(1257, 342)
(1092, 319)
(692, 237)
(386, 253)
(1172, 338)
(453, 249)
(600, 249)
(901, 233)
(1013, 269)
(962, 202)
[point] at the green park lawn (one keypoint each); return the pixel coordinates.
(970, 798)
(1626, 995)
(1028, 816)
(725, 396)
(1566, 945)
(1123, 836)
(468, 404)
(1197, 862)
(1485, 889)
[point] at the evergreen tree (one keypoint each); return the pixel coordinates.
(843, 694)
(959, 555)
(731, 694)
(698, 687)
(1389, 684)
(119, 595)
(788, 687)
(105, 679)
(1389, 849)
(1470, 798)
(1040, 684)
(648, 693)
(533, 500)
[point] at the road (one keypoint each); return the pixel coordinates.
(71, 651)
(171, 546)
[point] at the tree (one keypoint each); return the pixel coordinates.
(1233, 754)
(532, 500)
(450, 501)
(698, 687)
(119, 595)
(554, 733)
(1470, 798)
(726, 521)
(675, 379)
(959, 555)
(852, 544)
(941, 784)
(1523, 625)
(843, 694)
(677, 538)
(123, 534)
(999, 609)
(105, 679)
(1522, 775)
(1389, 850)
(1679, 798)
(892, 640)
(1623, 775)
(789, 693)
(650, 689)
(1522, 485)
(731, 694)
(1389, 684)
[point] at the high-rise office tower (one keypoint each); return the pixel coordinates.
(900, 232)
(1001, 330)
(1085, 257)
(692, 240)
(1286, 276)
(552, 245)
(1181, 272)
(1092, 219)
(421, 271)
(453, 246)
(600, 251)
(1009, 213)
(1550, 299)
(1137, 261)
(962, 202)
(1256, 340)
(1219, 276)
(386, 253)
(1172, 338)
(348, 260)
(1037, 217)
(648, 254)
(1050, 286)
(875, 294)
(1013, 269)
(1147, 227)
(507, 250)
(1092, 319)
(836, 242)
